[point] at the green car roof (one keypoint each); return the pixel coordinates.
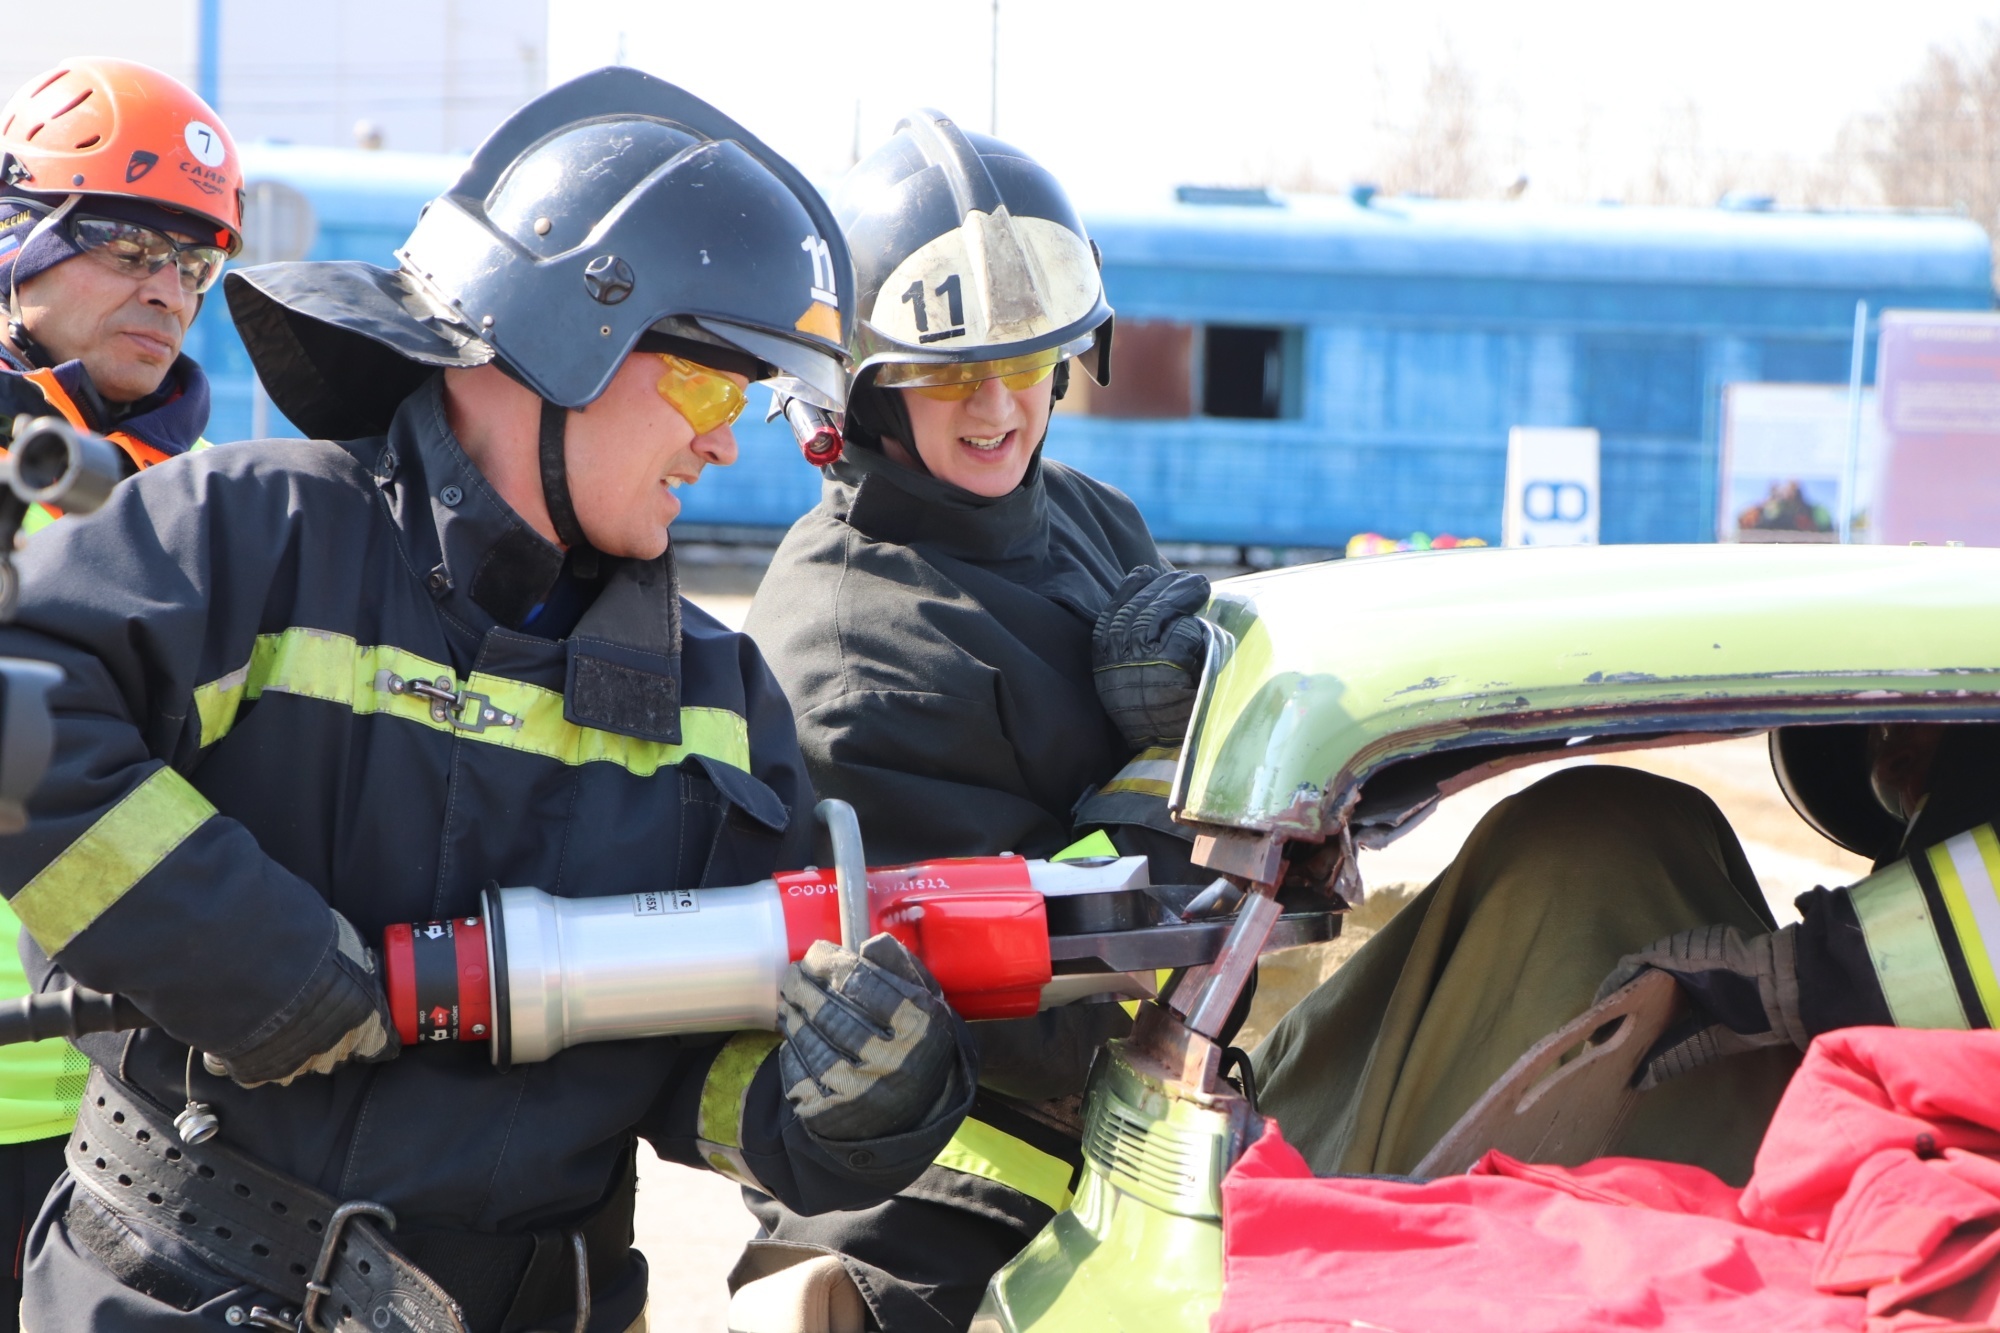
(1342, 670)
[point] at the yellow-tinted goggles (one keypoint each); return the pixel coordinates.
(708, 399)
(960, 380)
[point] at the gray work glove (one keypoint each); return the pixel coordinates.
(343, 1015)
(870, 1048)
(1147, 652)
(1742, 995)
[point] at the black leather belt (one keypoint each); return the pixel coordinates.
(334, 1259)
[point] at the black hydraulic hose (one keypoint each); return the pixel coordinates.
(73, 1011)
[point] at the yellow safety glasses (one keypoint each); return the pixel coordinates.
(957, 382)
(708, 399)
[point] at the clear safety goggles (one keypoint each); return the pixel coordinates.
(140, 252)
(708, 399)
(957, 381)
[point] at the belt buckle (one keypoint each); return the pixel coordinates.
(317, 1287)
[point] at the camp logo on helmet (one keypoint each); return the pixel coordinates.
(139, 164)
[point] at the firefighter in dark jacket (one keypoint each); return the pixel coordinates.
(959, 624)
(314, 689)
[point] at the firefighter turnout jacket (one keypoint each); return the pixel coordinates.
(936, 646)
(235, 753)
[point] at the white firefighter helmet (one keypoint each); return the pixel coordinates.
(966, 250)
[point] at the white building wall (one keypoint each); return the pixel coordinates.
(33, 37)
(430, 75)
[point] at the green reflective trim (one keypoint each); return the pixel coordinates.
(720, 1119)
(1088, 847)
(718, 1126)
(978, 1149)
(115, 853)
(319, 664)
(1903, 944)
(1967, 869)
(39, 517)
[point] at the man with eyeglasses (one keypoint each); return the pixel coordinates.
(120, 200)
(316, 688)
(119, 203)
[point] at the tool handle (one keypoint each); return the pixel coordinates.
(850, 870)
(73, 1011)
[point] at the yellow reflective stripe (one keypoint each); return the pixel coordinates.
(1088, 848)
(318, 664)
(978, 1149)
(216, 703)
(1965, 868)
(115, 853)
(1904, 947)
(718, 1126)
(1148, 773)
(38, 517)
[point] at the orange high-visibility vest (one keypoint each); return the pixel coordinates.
(142, 454)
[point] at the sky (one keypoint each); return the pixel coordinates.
(1134, 96)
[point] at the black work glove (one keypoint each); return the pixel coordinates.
(1742, 995)
(870, 1047)
(343, 1015)
(1147, 652)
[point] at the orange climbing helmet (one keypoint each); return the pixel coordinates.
(98, 126)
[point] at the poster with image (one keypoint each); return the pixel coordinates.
(1784, 450)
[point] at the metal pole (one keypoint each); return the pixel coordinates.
(208, 53)
(259, 223)
(1849, 478)
(993, 111)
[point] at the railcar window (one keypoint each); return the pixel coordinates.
(1244, 372)
(1152, 374)
(1162, 369)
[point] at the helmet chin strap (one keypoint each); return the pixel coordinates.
(555, 492)
(23, 342)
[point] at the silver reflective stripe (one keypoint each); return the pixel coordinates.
(1904, 947)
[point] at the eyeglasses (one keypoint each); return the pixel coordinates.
(958, 381)
(708, 399)
(140, 252)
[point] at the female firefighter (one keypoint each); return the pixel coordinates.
(983, 650)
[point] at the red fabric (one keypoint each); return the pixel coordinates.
(1875, 1204)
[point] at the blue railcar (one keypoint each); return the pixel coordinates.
(1291, 371)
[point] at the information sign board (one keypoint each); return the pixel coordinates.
(1551, 487)
(1939, 376)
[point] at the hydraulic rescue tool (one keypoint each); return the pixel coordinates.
(534, 973)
